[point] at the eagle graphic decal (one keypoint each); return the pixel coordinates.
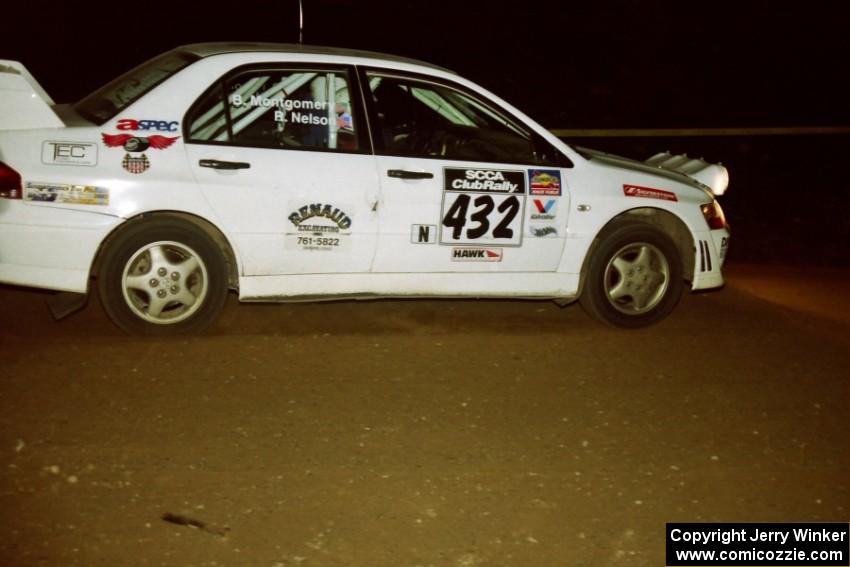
(137, 144)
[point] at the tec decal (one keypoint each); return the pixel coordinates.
(137, 144)
(68, 153)
(482, 207)
(318, 226)
(648, 193)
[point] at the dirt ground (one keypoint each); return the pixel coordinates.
(419, 433)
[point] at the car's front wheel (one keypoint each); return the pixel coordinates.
(634, 277)
(162, 277)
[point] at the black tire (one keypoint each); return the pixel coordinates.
(162, 276)
(634, 277)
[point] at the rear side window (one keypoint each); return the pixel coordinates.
(279, 108)
(115, 96)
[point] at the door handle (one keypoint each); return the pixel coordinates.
(404, 174)
(217, 164)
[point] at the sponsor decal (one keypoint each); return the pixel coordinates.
(484, 180)
(545, 182)
(319, 210)
(544, 231)
(147, 125)
(544, 209)
(66, 194)
(136, 144)
(68, 153)
(135, 164)
(482, 207)
(423, 233)
(476, 254)
(724, 247)
(648, 193)
(318, 226)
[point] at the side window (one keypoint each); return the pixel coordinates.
(277, 109)
(422, 119)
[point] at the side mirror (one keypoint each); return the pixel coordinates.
(546, 154)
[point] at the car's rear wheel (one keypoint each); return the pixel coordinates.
(634, 277)
(162, 277)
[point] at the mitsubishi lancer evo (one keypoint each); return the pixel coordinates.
(290, 173)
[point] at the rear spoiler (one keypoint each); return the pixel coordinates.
(23, 103)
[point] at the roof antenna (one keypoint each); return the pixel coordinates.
(300, 22)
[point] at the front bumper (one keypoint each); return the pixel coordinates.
(710, 251)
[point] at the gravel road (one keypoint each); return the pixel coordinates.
(418, 433)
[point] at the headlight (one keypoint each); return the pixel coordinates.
(715, 176)
(713, 215)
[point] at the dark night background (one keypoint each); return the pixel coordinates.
(462, 432)
(626, 64)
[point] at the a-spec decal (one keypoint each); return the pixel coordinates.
(648, 193)
(137, 144)
(147, 125)
(68, 153)
(318, 226)
(545, 182)
(476, 254)
(66, 193)
(423, 233)
(482, 207)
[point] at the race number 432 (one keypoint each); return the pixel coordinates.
(482, 207)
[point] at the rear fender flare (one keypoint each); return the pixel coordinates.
(227, 251)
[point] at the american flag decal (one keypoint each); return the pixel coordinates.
(134, 164)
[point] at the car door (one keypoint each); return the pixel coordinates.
(279, 154)
(464, 188)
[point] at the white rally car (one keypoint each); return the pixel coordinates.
(289, 172)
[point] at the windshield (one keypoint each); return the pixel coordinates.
(115, 96)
